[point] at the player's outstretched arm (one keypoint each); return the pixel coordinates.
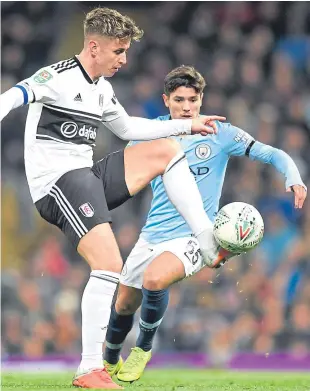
(285, 165)
(10, 100)
(135, 128)
(41, 87)
(300, 194)
(237, 142)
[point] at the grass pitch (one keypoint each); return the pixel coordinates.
(172, 380)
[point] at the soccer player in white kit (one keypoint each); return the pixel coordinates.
(68, 101)
(166, 251)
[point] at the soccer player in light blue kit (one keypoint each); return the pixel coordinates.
(167, 251)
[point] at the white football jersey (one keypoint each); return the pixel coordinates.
(62, 122)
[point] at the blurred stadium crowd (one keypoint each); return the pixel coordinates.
(256, 61)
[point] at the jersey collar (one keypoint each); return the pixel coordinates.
(85, 74)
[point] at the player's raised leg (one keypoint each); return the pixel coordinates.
(145, 161)
(164, 270)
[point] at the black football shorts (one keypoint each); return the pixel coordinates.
(83, 198)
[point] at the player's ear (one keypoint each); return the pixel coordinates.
(166, 99)
(201, 98)
(93, 47)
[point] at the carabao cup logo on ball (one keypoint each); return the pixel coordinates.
(238, 227)
(249, 227)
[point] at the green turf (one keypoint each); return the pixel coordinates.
(173, 380)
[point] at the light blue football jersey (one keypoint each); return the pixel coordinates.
(208, 157)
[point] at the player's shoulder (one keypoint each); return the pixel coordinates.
(106, 89)
(226, 129)
(230, 135)
(53, 72)
(223, 125)
(63, 66)
(106, 85)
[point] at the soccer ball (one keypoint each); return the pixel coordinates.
(238, 227)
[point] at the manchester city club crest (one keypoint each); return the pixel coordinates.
(203, 151)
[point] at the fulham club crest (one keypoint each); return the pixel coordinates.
(101, 100)
(87, 210)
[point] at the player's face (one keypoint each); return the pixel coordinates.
(184, 102)
(110, 55)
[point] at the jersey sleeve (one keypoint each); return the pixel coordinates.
(160, 118)
(42, 87)
(112, 108)
(283, 163)
(235, 141)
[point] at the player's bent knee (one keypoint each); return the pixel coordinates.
(170, 148)
(154, 282)
(126, 307)
(172, 145)
(163, 149)
(163, 153)
(99, 248)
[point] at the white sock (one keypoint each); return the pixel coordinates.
(96, 309)
(183, 192)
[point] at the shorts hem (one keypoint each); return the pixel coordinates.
(77, 241)
(131, 285)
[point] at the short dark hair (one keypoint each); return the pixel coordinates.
(111, 23)
(184, 76)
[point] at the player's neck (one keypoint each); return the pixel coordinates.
(88, 65)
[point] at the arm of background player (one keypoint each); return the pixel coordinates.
(233, 140)
(41, 87)
(237, 142)
(280, 160)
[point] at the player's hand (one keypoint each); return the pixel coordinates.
(205, 124)
(300, 195)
